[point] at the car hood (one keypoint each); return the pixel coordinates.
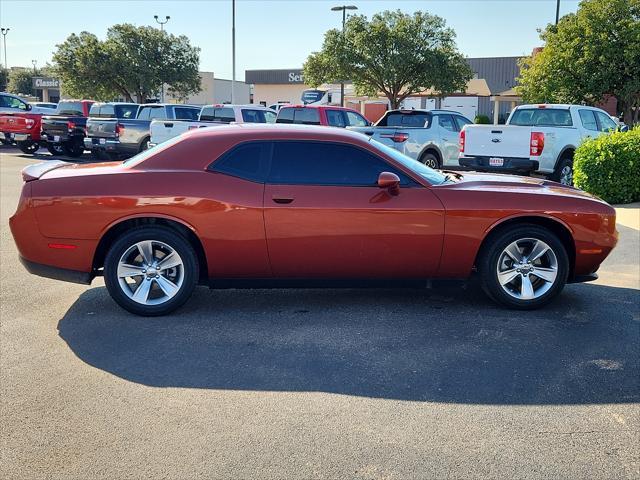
(492, 182)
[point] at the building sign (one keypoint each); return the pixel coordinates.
(274, 77)
(45, 82)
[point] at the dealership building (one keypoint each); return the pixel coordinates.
(490, 92)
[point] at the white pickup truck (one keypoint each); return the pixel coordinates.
(536, 138)
(211, 116)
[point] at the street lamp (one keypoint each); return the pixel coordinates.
(34, 62)
(557, 11)
(343, 9)
(233, 52)
(166, 19)
(161, 23)
(4, 32)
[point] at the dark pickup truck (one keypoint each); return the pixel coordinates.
(121, 136)
(64, 132)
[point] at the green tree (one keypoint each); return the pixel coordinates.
(395, 54)
(132, 62)
(20, 81)
(4, 79)
(590, 54)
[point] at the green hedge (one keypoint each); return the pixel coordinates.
(609, 167)
(482, 120)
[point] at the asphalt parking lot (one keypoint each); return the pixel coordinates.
(350, 383)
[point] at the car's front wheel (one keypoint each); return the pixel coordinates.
(151, 271)
(524, 267)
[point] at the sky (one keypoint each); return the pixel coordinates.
(269, 33)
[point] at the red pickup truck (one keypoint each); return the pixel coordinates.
(23, 129)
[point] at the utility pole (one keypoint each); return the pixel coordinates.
(4, 32)
(557, 11)
(233, 52)
(344, 9)
(166, 19)
(35, 71)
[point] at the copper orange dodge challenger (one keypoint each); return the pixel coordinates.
(285, 205)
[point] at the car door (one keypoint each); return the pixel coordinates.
(589, 124)
(234, 233)
(448, 134)
(325, 217)
(605, 123)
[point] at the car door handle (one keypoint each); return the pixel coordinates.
(168, 125)
(282, 200)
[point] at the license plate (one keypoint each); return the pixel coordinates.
(21, 137)
(496, 162)
(56, 138)
(103, 141)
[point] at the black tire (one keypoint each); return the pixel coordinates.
(55, 149)
(430, 160)
(493, 254)
(564, 172)
(28, 147)
(74, 148)
(144, 145)
(159, 234)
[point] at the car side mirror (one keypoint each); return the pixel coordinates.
(389, 181)
(28, 107)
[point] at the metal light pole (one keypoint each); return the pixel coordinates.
(344, 9)
(34, 62)
(4, 32)
(166, 19)
(557, 11)
(233, 52)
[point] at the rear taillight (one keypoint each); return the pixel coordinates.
(119, 129)
(537, 144)
(396, 137)
(29, 122)
(70, 125)
(462, 139)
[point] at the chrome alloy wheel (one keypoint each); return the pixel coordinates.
(150, 272)
(527, 269)
(566, 175)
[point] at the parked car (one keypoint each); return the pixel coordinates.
(10, 103)
(125, 137)
(211, 116)
(104, 128)
(536, 138)
(321, 115)
(429, 136)
(64, 132)
(23, 129)
(277, 106)
(256, 205)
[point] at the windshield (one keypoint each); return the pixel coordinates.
(429, 174)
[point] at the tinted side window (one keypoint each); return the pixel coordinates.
(157, 112)
(446, 122)
(399, 119)
(70, 108)
(184, 113)
(254, 116)
(606, 123)
(355, 120)
(247, 161)
(588, 120)
(461, 121)
(126, 111)
(318, 163)
(285, 115)
(335, 118)
(144, 113)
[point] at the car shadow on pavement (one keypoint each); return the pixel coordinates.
(439, 345)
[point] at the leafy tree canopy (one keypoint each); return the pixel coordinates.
(132, 62)
(590, 54)
(20, 82)
(395, 54)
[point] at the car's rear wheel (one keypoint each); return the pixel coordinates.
(55, 148)
(151, 271)
(524, 267)
(144, 145)
(564, 172)
(74, 148)
(28, 146)
(430, 160)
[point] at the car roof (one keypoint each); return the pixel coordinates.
(319, 107)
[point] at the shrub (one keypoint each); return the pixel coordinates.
(482, 120)
(609, 167)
